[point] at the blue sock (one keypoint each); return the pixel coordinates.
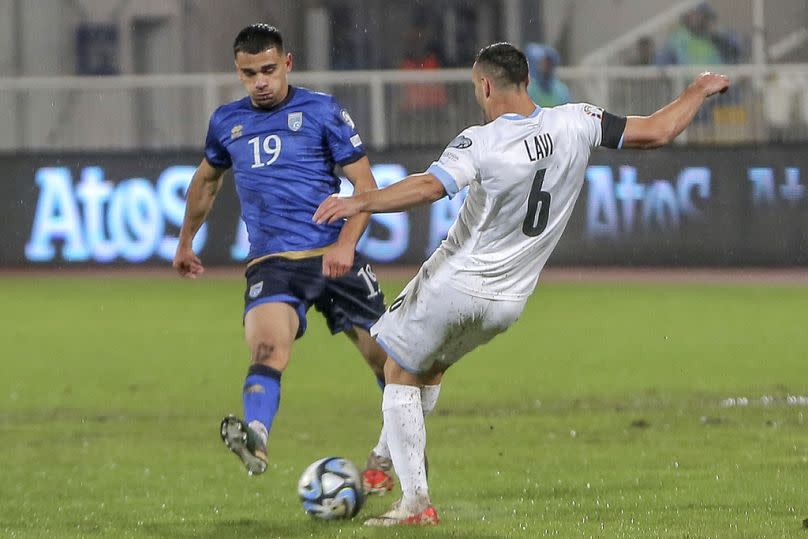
(262, 394)
(380, 382)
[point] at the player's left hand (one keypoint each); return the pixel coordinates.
(712, 83)
(337, 260)
(335, 208)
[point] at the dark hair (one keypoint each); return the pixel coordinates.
(505, 63)
(257, 38)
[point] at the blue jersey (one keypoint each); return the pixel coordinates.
(283, 162)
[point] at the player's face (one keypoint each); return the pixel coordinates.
(264, 76)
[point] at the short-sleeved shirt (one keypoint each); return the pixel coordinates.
(524, 175)
(283, 162)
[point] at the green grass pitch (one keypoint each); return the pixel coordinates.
(599, 414)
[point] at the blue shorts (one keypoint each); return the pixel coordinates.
(351, 300)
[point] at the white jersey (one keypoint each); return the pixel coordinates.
(524, 176)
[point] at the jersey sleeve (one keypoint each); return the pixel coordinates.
(598, 127)
(343, 141)
(215, 152)
(457, 166)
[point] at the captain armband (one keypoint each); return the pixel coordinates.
(612, 129)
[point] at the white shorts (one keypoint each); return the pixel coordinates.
(431, 322)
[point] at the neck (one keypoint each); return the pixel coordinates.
(512, 104)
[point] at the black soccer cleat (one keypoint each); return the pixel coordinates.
(247, 445)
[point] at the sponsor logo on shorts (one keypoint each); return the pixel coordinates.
(397, 303)
(255, 289)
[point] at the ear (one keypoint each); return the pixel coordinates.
(289, 61)
(486, 87)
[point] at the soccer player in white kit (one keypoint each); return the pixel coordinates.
(524, 170)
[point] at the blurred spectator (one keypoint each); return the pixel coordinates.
(640, 93)
(544, 87)
(421, 53)
(644, 52)
(423, 107)
(727, 43)
(698, 41)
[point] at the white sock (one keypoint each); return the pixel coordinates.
(406, 436)
(429, 397)
(381, 448)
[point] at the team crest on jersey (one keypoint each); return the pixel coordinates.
(347, 118)
(256, 289)
(236, 131)
(461, 143)
(295, 121)
(595, 112)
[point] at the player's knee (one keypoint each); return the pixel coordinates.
(394, 374)
(268, 353)
(391, 370)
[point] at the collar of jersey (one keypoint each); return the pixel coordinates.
(514, 116)
(289, 94)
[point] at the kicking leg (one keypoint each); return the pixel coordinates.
(406, 436)
(376, 478)
(270, 330)
(429, 398)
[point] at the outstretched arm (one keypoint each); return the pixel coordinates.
(660, 128)
(414, 190)
(205, 184)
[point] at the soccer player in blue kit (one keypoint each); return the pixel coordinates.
(283, 143)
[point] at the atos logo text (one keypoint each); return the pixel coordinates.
(766, 192)
(616, 208)
(97, 220)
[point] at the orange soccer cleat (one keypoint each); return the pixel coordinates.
(398, 515)
(376, 479)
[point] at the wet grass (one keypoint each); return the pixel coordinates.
(602, 413)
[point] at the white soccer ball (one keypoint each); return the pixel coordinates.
(331, 488)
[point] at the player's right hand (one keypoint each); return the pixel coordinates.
(712, 83)
(187, 264)
(335, 208)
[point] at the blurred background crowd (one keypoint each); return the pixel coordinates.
(161, 67)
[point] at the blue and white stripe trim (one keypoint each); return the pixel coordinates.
(394, 357)
(444, 178)
(513, 116)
